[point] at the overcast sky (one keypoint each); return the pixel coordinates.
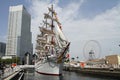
(82, 21)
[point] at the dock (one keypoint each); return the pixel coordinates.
(96, 71)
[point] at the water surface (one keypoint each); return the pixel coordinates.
(31, 75)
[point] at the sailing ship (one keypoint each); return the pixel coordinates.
(52, 45)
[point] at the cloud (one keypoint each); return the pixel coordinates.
(78, 30)
(105, 25)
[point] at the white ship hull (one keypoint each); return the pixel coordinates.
(49, 68)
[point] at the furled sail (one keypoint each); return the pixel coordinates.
(62, 41)
(44, 30)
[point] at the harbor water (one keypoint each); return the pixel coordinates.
(32, 75)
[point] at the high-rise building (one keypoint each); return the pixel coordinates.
(19, 34)
(2, 49)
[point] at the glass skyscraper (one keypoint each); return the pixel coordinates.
(2, 49)
(19, 34)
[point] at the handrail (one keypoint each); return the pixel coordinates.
(21, 76)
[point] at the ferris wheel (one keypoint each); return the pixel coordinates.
(92, 50)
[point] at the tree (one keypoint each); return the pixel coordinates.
(10, 61)
(73, 58)
(16, 60)
(34, 56)
(77, 58)
(27, 53)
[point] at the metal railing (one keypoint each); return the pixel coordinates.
(26, 66)
(9, 71)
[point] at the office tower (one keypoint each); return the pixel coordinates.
(19, 34)
(2, 49)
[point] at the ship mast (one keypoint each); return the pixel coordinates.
(52, 26)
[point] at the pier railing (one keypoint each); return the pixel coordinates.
(26, 66)
(9, 71)
(103, 66)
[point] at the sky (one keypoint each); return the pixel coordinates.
(82, 21)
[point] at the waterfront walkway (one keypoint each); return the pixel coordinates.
(11, 72)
